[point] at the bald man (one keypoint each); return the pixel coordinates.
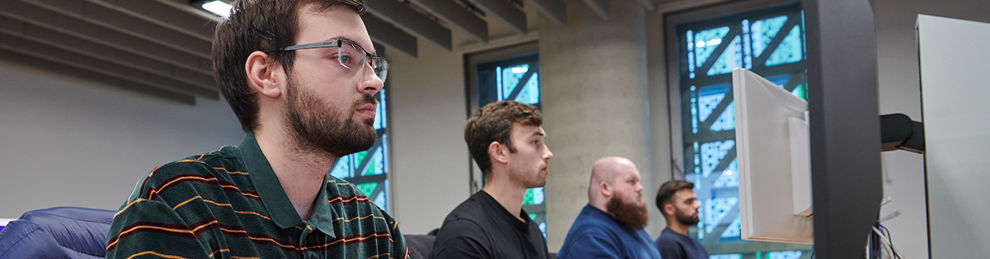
(611, 225)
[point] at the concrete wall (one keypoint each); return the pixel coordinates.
(595, 102)
(660, 125)
(68, 142)
(429, 157)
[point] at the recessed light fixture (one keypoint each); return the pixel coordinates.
(217, 7)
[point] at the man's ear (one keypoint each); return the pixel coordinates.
(668, 209)
(498, 152)
(264, 75)
(605, 189)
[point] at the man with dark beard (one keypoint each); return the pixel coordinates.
(679, 205)
(300, 75)
(611, 225)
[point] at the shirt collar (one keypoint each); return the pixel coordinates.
(598, 213)
(266, 183)
(273, 196)
(323, 215)
(504, 213)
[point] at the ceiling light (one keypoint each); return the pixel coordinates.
(217, 7)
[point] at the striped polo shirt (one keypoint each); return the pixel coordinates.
(229, 204)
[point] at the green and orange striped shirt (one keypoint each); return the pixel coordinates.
(229, 204)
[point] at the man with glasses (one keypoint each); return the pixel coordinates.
(301, 76)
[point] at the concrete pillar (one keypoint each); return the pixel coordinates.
(596, 102)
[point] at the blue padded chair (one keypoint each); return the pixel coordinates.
(59, 232)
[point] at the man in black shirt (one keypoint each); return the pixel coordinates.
(679, 205)
(506, 140)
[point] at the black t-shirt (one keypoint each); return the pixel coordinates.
(481, 228)
(673, 245)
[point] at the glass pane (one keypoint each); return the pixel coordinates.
(533, 196)
(729, 59)
(763, 32)
(705, 42)
(790, 50)
(509, 79)
(343, 168)
(530, 94)
(367, 188)
(784, 255)
(726, 121)
(380, 119)
(709, 98)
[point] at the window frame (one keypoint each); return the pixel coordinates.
(670, 38)
(471, 62)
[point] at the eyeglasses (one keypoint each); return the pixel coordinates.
(349, 54)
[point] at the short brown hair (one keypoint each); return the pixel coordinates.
(493, 123)
(254, 25)
(667, 191)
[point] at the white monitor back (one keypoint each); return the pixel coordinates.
(955, 87)
(773, 161)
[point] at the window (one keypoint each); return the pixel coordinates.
(368, 170)
(770, 42)
(509, 74)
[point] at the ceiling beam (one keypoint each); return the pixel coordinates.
(166, 15)
(99, 51)
(83, 29)
(555, 9)
(679, 5)
(56, 54)
(456, 16)
(505, 11)
(600, 7)
(99, 78)
(411, 21)
(649, 5)
(390, 36)
(128, 24)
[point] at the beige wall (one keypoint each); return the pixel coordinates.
(68, 142)
(595, 103)
(429, 157)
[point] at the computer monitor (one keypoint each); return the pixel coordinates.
(773, 159)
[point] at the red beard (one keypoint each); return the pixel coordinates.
(631, 216)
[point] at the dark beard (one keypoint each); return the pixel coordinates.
(686, 219)
(631, 216)
(317, 127)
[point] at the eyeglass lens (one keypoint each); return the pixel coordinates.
(354, 57)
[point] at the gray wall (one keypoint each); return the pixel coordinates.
(68, 142)
(595, 102)
(429, 156)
